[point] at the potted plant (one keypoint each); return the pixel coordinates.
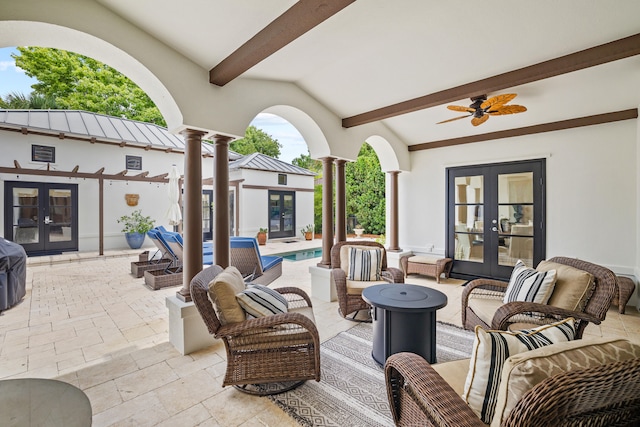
(262, 236)
(358, 230)
(307, 232)
(135, 228)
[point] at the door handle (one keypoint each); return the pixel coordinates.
(47, 220)
(494, 228)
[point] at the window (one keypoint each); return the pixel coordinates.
(134, 163)
(42, 153)
(282, 179)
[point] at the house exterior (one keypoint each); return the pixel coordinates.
(66, 177)
(271, 187)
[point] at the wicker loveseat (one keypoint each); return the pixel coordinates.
(265, 355)
(589, 382)
(350, 291)
(591, 286)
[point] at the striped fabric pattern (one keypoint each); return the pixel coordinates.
(490, 351)
(365, 264)
(260, 301)
(527, 284)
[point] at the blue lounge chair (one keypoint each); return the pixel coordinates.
(245, 256)
(175, 243)
(167, 253)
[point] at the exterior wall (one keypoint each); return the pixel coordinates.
(90, 158)
(592, 191)
(254, 202)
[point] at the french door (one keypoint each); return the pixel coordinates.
(495, 216)
(42, 217)
(282, 220)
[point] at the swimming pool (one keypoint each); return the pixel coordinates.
(301, 254)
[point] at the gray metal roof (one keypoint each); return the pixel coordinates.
(86, 125)
(259, 161)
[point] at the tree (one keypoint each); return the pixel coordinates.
(18, 101)
(365, 191)
(305, 161)
(77, 82)
(256, 141)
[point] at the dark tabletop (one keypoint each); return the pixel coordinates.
(404, 297)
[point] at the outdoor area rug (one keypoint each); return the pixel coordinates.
(352, 390)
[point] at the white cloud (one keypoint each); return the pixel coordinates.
(10, 65)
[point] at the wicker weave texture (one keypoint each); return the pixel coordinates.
(607, 395)
(442, 265)
(282, 347)
(351, 303)
(595, 310)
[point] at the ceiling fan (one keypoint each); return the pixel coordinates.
(481, 108)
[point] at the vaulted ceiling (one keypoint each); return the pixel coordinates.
(402, 62)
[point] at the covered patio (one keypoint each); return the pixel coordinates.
(87, 321)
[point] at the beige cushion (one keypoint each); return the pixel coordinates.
(344, 255)
(485, 307)
(527, 284)
(454, 373)
(365, 264)
(355, 287)
(523, 371)
(573, 286)
(420, 259)
(223, 290)
(492, 348)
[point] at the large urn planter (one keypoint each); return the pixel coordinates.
(134, 240)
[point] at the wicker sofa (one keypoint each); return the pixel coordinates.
(599, 389)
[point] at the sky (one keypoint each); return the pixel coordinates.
(13, 79)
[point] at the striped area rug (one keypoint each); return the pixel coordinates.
(352, 391)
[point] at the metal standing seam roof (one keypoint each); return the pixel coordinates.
(259, 161)
(87, 125)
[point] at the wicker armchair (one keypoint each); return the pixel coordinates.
(606, 395)
(594, 311)
(265, 355)
(350, 297)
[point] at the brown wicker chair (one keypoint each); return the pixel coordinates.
(595, 310)
(607, 395)
(350, 301)
(265, 355)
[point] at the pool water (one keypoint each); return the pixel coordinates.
(301, 254)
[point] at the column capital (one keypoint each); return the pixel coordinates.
(222, 139)
(394, 172)
(192, 132)
(340, 161)
(327, 159)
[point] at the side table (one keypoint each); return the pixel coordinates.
(404, 319)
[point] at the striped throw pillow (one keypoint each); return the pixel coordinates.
(492, 348)
(260, 301)
(365, 264)
(527, 284)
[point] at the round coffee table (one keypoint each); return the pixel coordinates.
(43, 402)
(404, 319)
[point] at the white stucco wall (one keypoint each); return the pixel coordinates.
(592, 191)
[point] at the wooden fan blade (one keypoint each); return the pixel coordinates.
(476, 121)
(452, 120)
(498, 100)
(461, 108)
(507, 109)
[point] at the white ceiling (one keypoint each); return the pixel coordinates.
(375, 53)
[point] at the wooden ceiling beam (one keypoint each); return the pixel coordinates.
(608, 52)
(296, 21)
(597, 119)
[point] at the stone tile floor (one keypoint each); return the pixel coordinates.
(87, 321)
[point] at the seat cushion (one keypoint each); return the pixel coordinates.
(523, 371)
(492, 348)
(259, 301)
(365, 264)
(356, 287)
(573, 286)
(485, 306)
(454, 373)
(421, 259)
(527, 284)
(223, 290)
(270, 261)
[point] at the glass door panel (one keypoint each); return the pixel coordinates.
(282, 221)
(207, 215)
(469, 218)
(60, 216)
(25, 215)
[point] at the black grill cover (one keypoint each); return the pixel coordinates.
(13, 274)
